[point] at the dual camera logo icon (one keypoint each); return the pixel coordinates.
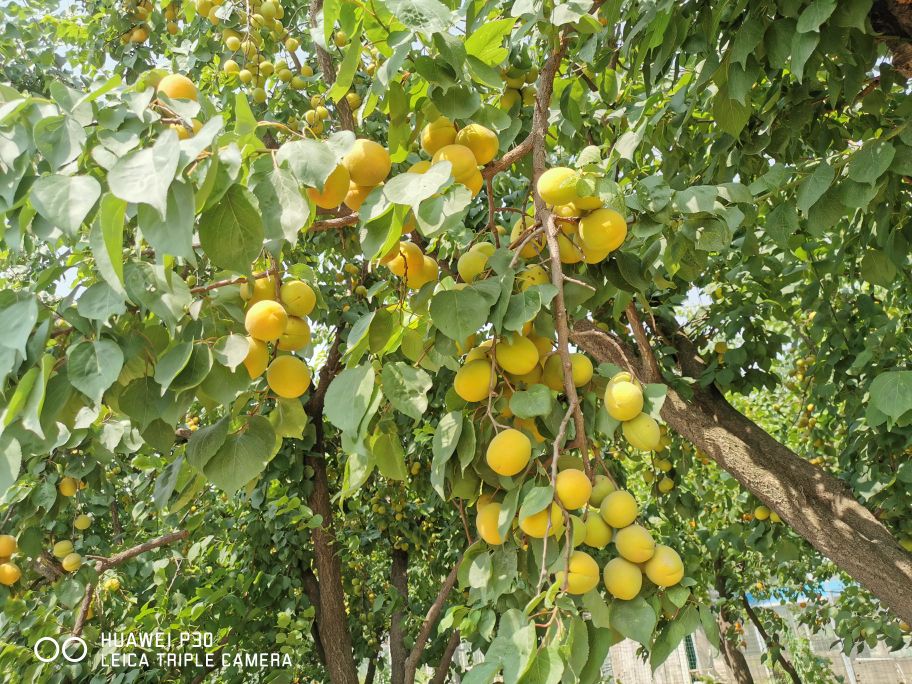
(73, 649)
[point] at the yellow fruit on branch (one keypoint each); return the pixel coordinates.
(531, 248)
(8, 545)
(176, 86)
(68, 486)
(536, 525)
(572, 488)
(410, 259)
(761, 513)
(257, 357)
(619, 509)
(425, 273)
(598, 534)
(288, 377)
(516, 354)
(486, 523)
(266, 320)
(601, 487)
(82, 522)
(262, 288)
(553, 375)
(509, 452)
(439, 133)
(9, 574)
(62, 549)
(461, 159)
(368, 163)
(623, 400)
(296, 335)
(298, 298)
(568, 250)
(634, 543)
(531, 276)
(72, 562)
(482, 141)
(642, 432)
(603, 230)
(666, 484)
(665, 568)
(334, 191)
(582, 574)
(623, 579)
(558, 186)
(356, 195)
(475, 182)
(474, 380)
(471, 264)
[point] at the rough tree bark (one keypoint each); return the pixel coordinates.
(399, 581)
(443, 667)
(771, 641)
(812, 502)
(735, 659)
(434, 612)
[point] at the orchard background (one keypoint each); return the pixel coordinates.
(321, 321)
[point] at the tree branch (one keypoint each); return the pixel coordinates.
(653, 372)
(443, 667)
(773, 646)
(329, 71)
(411, 663)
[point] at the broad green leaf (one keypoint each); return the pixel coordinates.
(348, 67)
(10, 462)
(536, 500)
(599, 610)
(243, 455)
(891, 393)
(31, 413)
(106, 241)
(389, 455)
(92, 367)
(349, 397)
(730, 115)
(144, 176)
(547, 667)
(782, 223)
(310, 161)
(172, 235)
(813, 16)
(446, 436)
(600, 641)
(814, 186)
(205, 442)
(486, 42)
(414, 188)
(60, 139)
(284, 209)
(635, 619)
(535, 401)
(424, 16)
(65, 201)
(672, 635)
(871, 161)
(406, 388)
(231, 350)
(231, 233)
(288, 418)
(171, 363)
(18, 315)
(459, 313)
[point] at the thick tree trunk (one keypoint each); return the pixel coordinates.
(399, 580)
(818, 506)
(443, 667)
(772, 642)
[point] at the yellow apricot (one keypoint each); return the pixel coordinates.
(623, 579)
(334, 191)
(82, 522)
(594, 256)
(482, 141)
(486, 523)
(68, 486)
(62, 549)
(665, 568)
(471, 264)
(568, 250)
(438, 133)
(509, 452)
(533, 377)
(566, 211)
(582, 573)
(530, 426)
(619, 509)
(533, 247)
(580, 365)
(603, 229)
(420, 166)
(288, 377)
(666, 484)
(72, 562)
(8, 545)
(177, 86)
(409, 260)
(356, 195)
(536, 525)
(473, 381)
(266, 320)
(482, 351)
(572, 488)
(531, 276)
(634, 543)
(296, 335)
(598, 534)
(257, 357)
(425, 273)
(623, 400)
(368, 163)
(298, 298)
(516, 354)
(262, 288)
(9, 574)
(761, 513)
(461, 159)
(774, 518)
(642, 432)
(601, 487)
(558, 186)
(588, 203)
(475, 182)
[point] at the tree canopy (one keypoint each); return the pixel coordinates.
(354, 331)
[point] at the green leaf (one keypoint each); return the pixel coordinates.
(600, 641)
(10, 462)
(459, 313)
(406, 388)
(710, 626)
(144, 176)
(172, 235)
(288, 418)
(389, 455)
(537, 500)
(782, 223)
(65, 201)
(171, 363)
(413, 188)
(60, 139)
(878, 269)
(731, 115)
(535, 401)
(349, 397)
(547, 667)
(18, 315)
(486, 42)
(424, 16)
(20, 395)
(446, 437)
(231, 233)
(31, 414)
(205, 442)
(243, 455)
(106, 241)
(891, 393)
(871, 161)
(635, 619)
(803, 46)
(231, 350)
(310, 161)
(814, 15)
(92, 367)
(599, 611)
(814, 186)
(347, 69)
(672, 635)
(284, 209)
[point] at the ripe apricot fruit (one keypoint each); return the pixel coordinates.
(482, 141)
(296, 335)
(461, 159)
(665, 568)
(572, 488)
(334, 189)
(298, 298)
(266, 320)
(642, 432)
(368, 163)
(473, 380)
(439, 133)
(72, 562)
(176, 86)
(582, 574)
(623, 400)
(486, 523)
(68, 486)
(8, 545)
(9, 574)
(257, 357)
(509, 452)
(634, 543)
(288, 377)
(536, 525)
(558, 186)
(516, 354)
(619, 509)
(602, 230)
(623, 579)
